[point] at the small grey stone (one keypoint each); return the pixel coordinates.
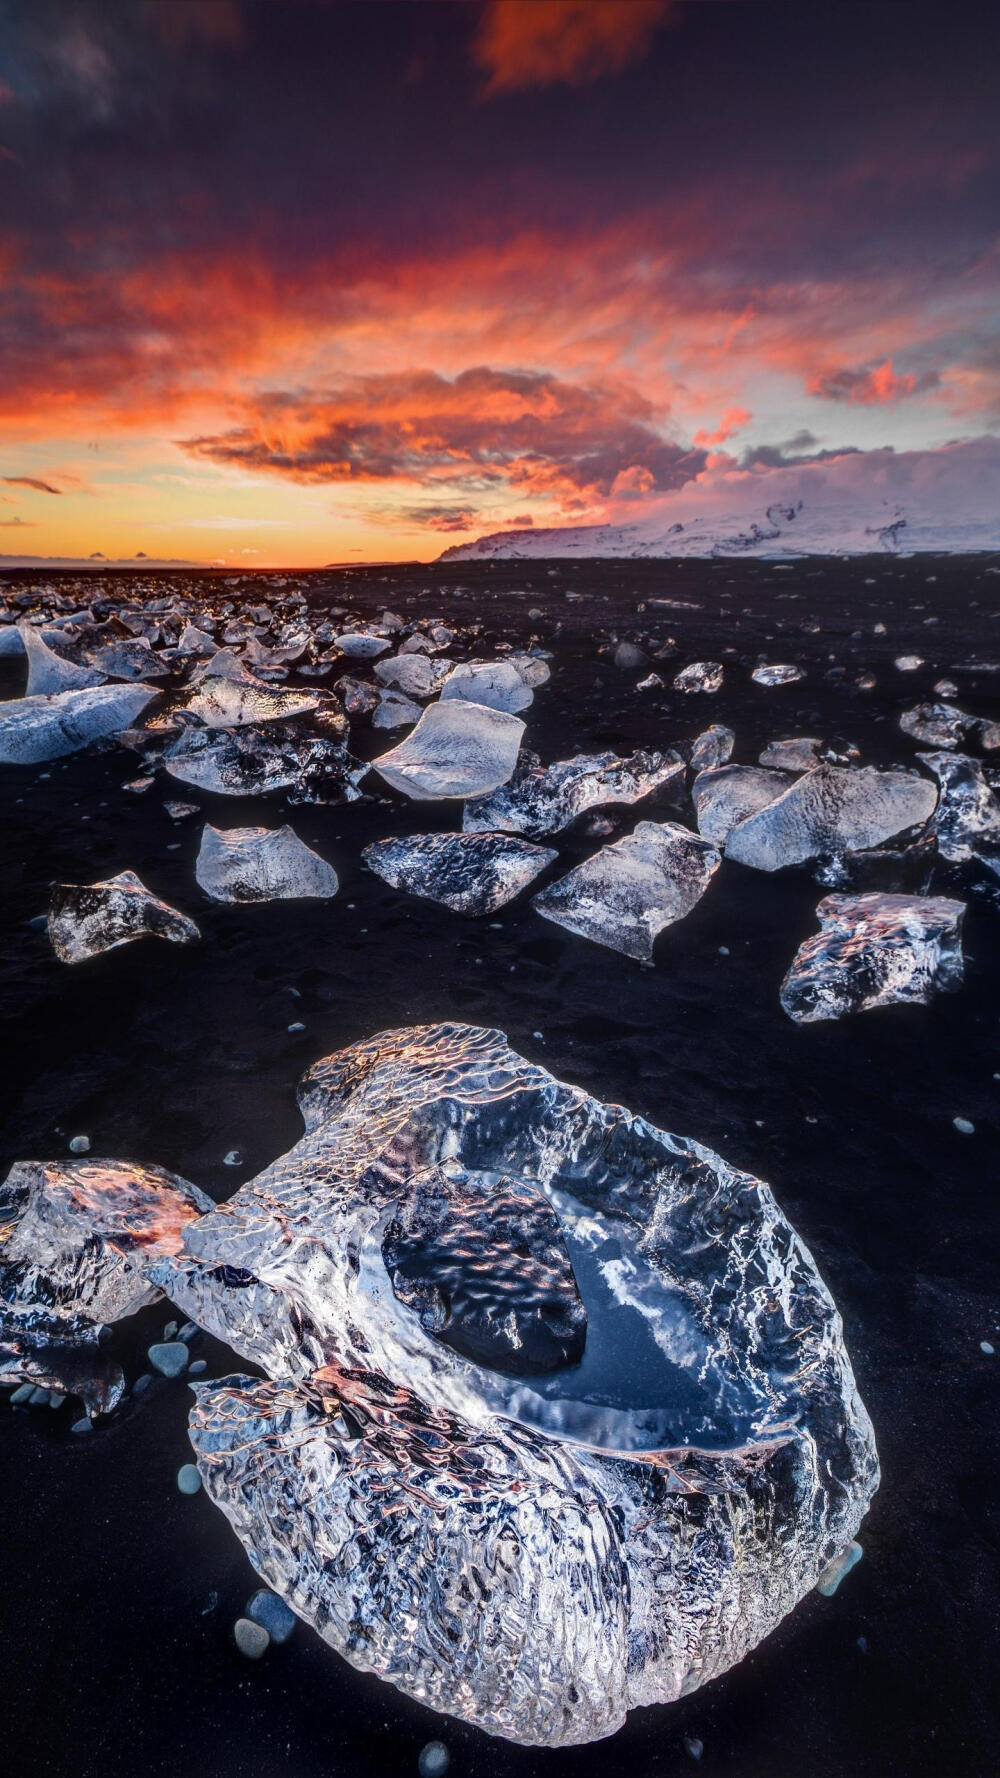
(169, 1357)
(83, 1425)
(23, 1395)
(199, 1366)
(80, 1145)
(188, 1479)
(963, 1126)
(434, 1760)
(250, 1638)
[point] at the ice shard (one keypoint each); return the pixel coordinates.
(256, 761)
(471, 873)
(628, 892)
(540, 800)
(937, 725)
(457, 749)
(830, 811)
(534, 1542)
(726, 795)
(784, 673)
(48, 672)
(497, 684)
(796, 753)
(33, 730)
(699, 676)
(395, 710)
(128, 660)
(713, 747)
(261, 864)
(967, 820)
(415, 675)
(85, 919)
(874, 950)
(220, 702)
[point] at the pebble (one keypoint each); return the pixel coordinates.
(23, 1395)
(233, 1158)
(169, 1357)
(963, 1126)
(188, 1331)
(693, 1746)
(198, 1367)
(834, 1572)
(434, 1760)
(984, 1346)
(170, 1330)
(188, 1479)
(80, 1145)
(84, 1424)
(250, 1638)
(298, 1026)
(141, 1384)
(272, 1614)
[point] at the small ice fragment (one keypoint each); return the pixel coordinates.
(783, 674)
(458, 749)
(985, 1346)
(629, 891)
(714, 747)
(908, 663)
(471, 873)
(699, 676)
(244, 864)
(964, 1126)
(874, 950)
(85, 919)
(434, 1760)
(272, 1614)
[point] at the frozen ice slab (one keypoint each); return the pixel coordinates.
(967, 822)
(415, 675)
(937, 725)
(874, 950)
(726, 795)
(497, 684)
(534, 1554)
(394, 710)
(48, 672)
(798, 753)
(457, 749)
(699, 676)
(628, 892)
(829, 811)
(255, 761)
(33, 730)
(128, 660)
(261, 864)
(540, 800)
(780, 674)
(85, 919)
(359, 646)
(713, 747)
(471, 873)
(533, 669)
(221, 702)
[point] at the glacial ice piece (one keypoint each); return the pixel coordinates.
(540, 800)
(713, 747)
(359, 646)
(937, 725)
(799, 753)
(415, 675)
(535, 1554)
(471, 873)
(496, 684)
(220, 702)
(261, 864)
(829, 811)
(967, 822)
(628, 892)
(33, 730)
(533, 669)
(726, 795)
(699, 676)
(85, 919)
(874, 950)
(780, 674)
(128, 660)
(457, 749)
(48, 672)
(394, 710)
(255, 761)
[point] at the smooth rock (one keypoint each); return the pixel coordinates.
(434, 1760)
(188, 1479)
(169, 1357)
(272, 1614)
(251, 1639)
(837, 1570)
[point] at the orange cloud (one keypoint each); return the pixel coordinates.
(732, 421)
(524, 43)
(874, 386)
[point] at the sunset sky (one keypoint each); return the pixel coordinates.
(301, 281)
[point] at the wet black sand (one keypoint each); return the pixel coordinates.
(116, 1662)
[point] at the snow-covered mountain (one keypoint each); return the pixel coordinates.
(945, 500)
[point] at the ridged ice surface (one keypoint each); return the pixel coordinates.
(534, 1553)
(628, 892)
(829, 811)
(471, 873)
(873, 950)
(240, 864)
(967, 819)
(540, 800)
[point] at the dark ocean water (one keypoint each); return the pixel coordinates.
(119, 1594)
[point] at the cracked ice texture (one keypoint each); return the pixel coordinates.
(36, 729)
(471, 873)
(967, 821)
(534, 1562)
(627, 893)
(255, 761)
(457, 749)
(540, 800)
(874, 950)
(829, 811)
(85, 919)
